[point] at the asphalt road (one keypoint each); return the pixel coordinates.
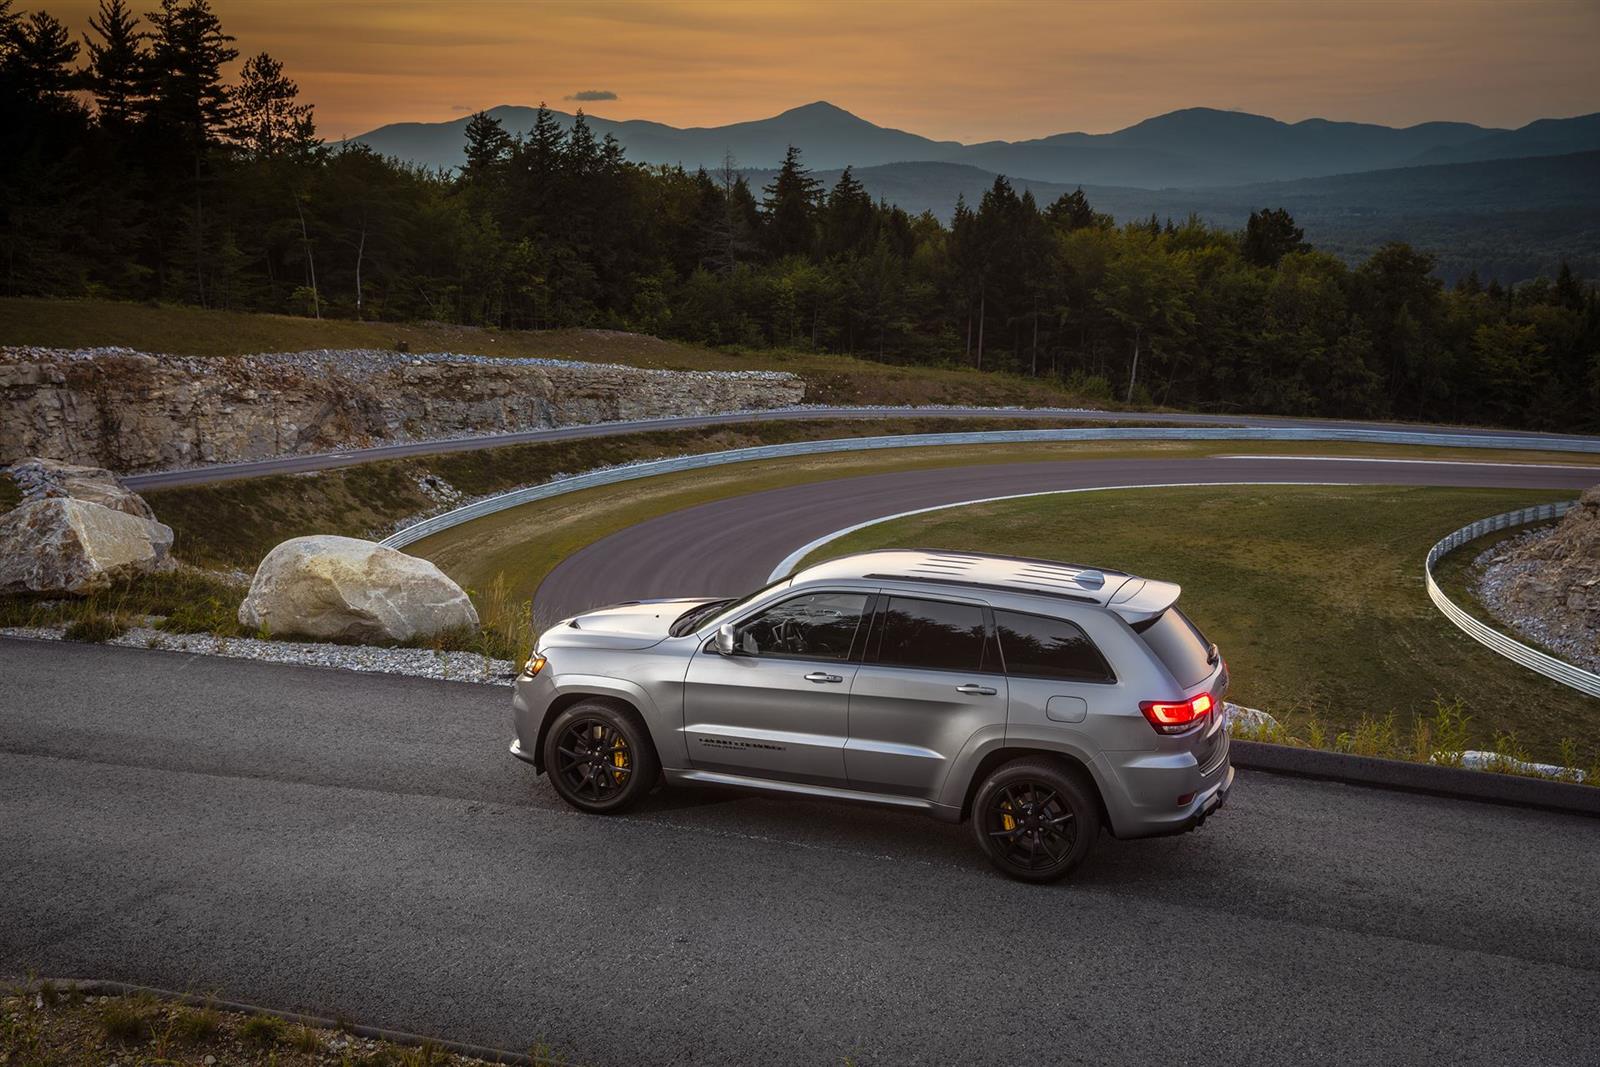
(362, 845)
(328, 460)
(729, 547)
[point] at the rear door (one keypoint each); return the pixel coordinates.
(778, 707)
(930, 678)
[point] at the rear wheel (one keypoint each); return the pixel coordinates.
(600, 758)
(1035, 820)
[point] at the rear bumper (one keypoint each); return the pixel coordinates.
(1142, 791)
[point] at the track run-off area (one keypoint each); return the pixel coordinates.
(362, 846)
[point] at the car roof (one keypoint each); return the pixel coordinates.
(1130, 596)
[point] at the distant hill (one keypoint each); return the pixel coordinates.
(1191, 148)
(1509, 218)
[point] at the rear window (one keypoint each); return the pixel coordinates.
(1041, 647)
(1179, 645)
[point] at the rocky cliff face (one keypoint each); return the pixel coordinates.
(133, 411)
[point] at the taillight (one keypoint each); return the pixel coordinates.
(1170, 718)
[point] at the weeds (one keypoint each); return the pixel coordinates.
(1441, 739)
(263, 1031)
(125, 1019)
(196, 1025)
(96, 628)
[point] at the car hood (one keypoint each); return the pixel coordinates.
(636, 624)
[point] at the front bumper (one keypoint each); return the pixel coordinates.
(521, 753)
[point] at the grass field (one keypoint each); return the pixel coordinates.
(1315, 595)
(830, 379)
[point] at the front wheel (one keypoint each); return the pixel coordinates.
(600, 758)
(1035, 820)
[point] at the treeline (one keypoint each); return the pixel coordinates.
(131, 169)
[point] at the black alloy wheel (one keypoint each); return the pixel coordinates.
(599, 758)
(1035, 820)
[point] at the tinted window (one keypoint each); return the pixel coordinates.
(931, 633)
(1048, 648)
(814, 626)
(1178, 645)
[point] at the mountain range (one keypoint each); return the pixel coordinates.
(1187, 149)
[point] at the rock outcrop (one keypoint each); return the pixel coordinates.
(48, 479)
(346, 589)
(65, 546)
(1546, 584)
(132, 411)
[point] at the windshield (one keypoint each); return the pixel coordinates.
(700, 614)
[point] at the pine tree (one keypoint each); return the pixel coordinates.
(847, 220)
(790, 208)
(188, 102)
(267, 119)
(488, 146)
(38, 59)
(118, 72)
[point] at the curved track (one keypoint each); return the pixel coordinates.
(730, 546)
(328, 460)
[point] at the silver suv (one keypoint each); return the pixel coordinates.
(1041, 700)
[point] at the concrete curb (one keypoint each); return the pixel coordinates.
(1456, 783)
(100, 988)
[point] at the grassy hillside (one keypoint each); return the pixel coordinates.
(830, 379)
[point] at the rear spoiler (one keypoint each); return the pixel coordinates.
(1141, 599)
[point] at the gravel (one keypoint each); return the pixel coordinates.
(417, 662)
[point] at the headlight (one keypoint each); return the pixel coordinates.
(534, 665)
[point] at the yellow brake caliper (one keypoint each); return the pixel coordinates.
(620, 759)
(1006, 822)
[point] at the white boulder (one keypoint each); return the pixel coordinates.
(343, 588)
(48, 479)
(63, 545)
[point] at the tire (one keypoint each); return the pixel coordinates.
(600, 758)
(1035, 819)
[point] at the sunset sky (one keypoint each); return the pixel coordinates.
(963, 70)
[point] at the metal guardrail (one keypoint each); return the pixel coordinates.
(1514, 650)
(630, 472)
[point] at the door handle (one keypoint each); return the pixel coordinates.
(823, 676)
(978, 690)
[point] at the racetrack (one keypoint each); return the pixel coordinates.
(362, 845)
(294, 464)
(730, 546)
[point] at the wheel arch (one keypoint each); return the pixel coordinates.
(580, 696)
(1007, 753)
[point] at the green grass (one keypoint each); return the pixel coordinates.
(1315, 595)
(191, 602)
(830, 379)
(235, 524)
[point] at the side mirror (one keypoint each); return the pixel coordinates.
(725, 639)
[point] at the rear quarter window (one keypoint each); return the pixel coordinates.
(1179, 645)
(1037, 646)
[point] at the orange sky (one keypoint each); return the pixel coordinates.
(958, 69)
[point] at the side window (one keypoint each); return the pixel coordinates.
(931, 633)
(813, 626)
(1049, 648)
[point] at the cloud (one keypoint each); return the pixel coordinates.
(593, 94)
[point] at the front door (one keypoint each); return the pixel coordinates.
(778, 707)
(929, 680)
